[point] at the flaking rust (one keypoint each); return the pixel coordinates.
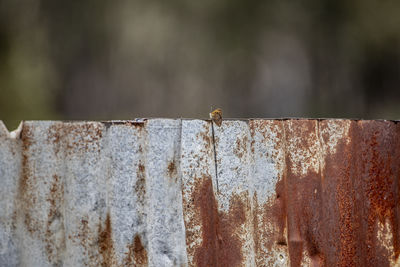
(219, 247)
(292, 193)
(335, 204)
(340, 205)
(269, 202)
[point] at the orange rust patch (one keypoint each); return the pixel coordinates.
(171, 169)
(136, 124)
(252, 146)
(269, 219)
(220, 246)
(137, 254)
(26, 137)
(259, 233)
(206, 138)
(279, 211)
(312, 216)
(266, 219)
(30, 223)
(84, 137)
(106, 246)
(56, 193)
(26, 198)
(335, 219)
(55, 133)
(241, 146)
(140, 185)
(141, 168)
(83, 233)
(380, 168)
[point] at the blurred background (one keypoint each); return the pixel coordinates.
(102, 60)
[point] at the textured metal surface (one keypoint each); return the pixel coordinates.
(128, 193)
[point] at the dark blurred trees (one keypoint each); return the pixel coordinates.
(107, 60)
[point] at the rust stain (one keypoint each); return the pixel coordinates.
(55, 134)
(380, 169)
(269, 219)
(30, 223)
(315, 224)
(26, 138)
(26, 199)
(257, 230)
(346, 199)
(241, 146)
(83, 234)
(332, 215)
(206, 136)
(141, 168)
(106, 245)
(220, 246)
(279, 211)
(45, 230)
(83, 137)
(172, 169)
(56, 199)
(140, 185)
(268, 231)
(136, 124)
(137, 254)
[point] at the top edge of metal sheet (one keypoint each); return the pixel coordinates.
(137, 121)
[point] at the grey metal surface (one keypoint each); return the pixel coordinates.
(143, 193)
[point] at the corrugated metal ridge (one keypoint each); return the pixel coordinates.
(292, 192)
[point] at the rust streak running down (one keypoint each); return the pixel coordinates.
(106, 246)
(220, 247)
(341, 214)
(289, 192)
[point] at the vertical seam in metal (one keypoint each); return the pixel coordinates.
(285, 183)
(215, 155)
(180, 181)
(65, 186)
(250, 179)
(320, 152)
(107, 155)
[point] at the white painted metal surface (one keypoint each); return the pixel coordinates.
(143, 193)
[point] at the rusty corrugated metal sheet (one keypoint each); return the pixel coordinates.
(128, 193)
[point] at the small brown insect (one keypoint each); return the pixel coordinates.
(216, 116)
